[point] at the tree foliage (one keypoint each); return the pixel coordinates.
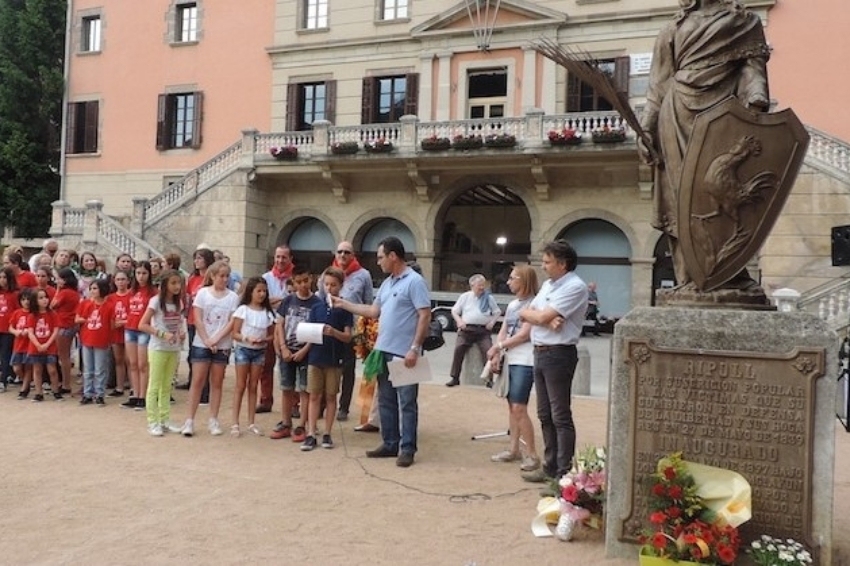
(32, 54)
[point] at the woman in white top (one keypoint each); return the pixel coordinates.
(213, 306)
(514, 342)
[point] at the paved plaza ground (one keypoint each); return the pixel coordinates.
(86, 485)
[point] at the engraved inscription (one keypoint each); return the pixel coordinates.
(748, 412)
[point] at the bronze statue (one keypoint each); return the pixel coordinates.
(717, 194)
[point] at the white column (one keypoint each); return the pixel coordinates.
(548, 86)
(529, 79)
(426, 74)
(444, 86)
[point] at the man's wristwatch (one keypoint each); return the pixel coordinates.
(417, 349)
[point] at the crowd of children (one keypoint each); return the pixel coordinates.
(132, 324)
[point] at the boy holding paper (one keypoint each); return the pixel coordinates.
(294, 308)
(324, 361)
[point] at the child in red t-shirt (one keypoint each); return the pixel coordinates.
(65, 304)
(95, 333)
(19, 328)
(119, 306)
(41, 352)
(136, 341)
(8, 305)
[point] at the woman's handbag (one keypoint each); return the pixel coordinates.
(501, 380)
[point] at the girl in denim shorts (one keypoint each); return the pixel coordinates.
(253, 323)
(19, 327)
(64, 304)
(136, 341)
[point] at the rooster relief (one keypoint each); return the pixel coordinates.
(728, 194)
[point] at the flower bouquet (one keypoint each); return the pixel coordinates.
(769, 551)
(345, 148)
(606, 134)
(364, 336)
(471, 141)
(582, 493)
(500, 140)
(379, 145)
(286, 152)
(434, 143)
(567, 136)
(685, 529)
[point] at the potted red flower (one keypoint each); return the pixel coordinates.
(565, 136)
(286, 152)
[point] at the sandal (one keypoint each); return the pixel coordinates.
(505, 456)
(235, 432)
(255, 429)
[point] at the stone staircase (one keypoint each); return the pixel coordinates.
(97, 230)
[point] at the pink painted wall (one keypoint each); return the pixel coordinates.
(229, 64)
(808, 65)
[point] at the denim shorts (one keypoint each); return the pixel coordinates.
(520, 380)
(36, 359)
(207, 355)
(293, 376)
(249, 356)
(136, 337)
(68, 332)
(18, 359)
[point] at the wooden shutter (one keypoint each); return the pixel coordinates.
(292, 90)
(90, 124)
(162, 129)
(367, 102)
(197, 136)
(573, 93)
(621, 74)
(71, 128)
(330, 101)
(411, 95)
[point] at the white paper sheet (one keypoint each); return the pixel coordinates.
(401, 375)
(311, 332)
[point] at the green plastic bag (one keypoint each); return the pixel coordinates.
(373, 365)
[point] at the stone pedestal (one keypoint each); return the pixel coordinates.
(473, 365)
(750, 391)
(581, 378)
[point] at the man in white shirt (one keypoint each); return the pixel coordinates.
(557, 315)
(475, 313)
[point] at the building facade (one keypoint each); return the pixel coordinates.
(174, 110)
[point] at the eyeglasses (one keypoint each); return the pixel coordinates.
(344, 252)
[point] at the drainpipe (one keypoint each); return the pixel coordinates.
(69, 29)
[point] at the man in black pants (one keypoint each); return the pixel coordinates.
(557, 315)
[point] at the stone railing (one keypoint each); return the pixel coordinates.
(830, 302)
(192, 184)
(829, 151)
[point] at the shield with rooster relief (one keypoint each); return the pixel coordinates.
(738, 171)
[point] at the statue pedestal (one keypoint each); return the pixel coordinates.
(750, 391)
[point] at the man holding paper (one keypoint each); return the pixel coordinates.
(403, 306)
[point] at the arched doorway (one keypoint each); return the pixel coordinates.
(663, 275)
(372, 234)
(486, 229)
(603, 256)
(311, 242)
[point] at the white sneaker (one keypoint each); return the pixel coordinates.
(188, 428)
(155, 429)
(215, 428)
(171, 427)
(254, 429)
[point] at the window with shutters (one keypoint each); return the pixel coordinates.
(581, 97)
(386, 99)
(314, 14)
(179, 120)
(82, 127)
(393, 9)
(308, 102)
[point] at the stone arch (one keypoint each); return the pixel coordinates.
(361, 225)
(314, 258)
(289, 225)
(590, 214)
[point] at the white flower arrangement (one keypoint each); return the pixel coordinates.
(769, 551)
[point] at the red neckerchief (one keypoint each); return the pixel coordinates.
(353, 266)
(282, 275)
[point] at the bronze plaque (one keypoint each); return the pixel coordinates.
(748, 412)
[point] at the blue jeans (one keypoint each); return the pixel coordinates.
(95, 371)
(553, 380)
(390, 399)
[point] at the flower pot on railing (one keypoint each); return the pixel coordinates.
(378, 146)
(285, 153)
(498, 141)
(608, 136)
(567, 136)
(435, 144)
(467, 142)
(345, 148)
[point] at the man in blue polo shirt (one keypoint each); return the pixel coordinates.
(403, 306)
(557, 316)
